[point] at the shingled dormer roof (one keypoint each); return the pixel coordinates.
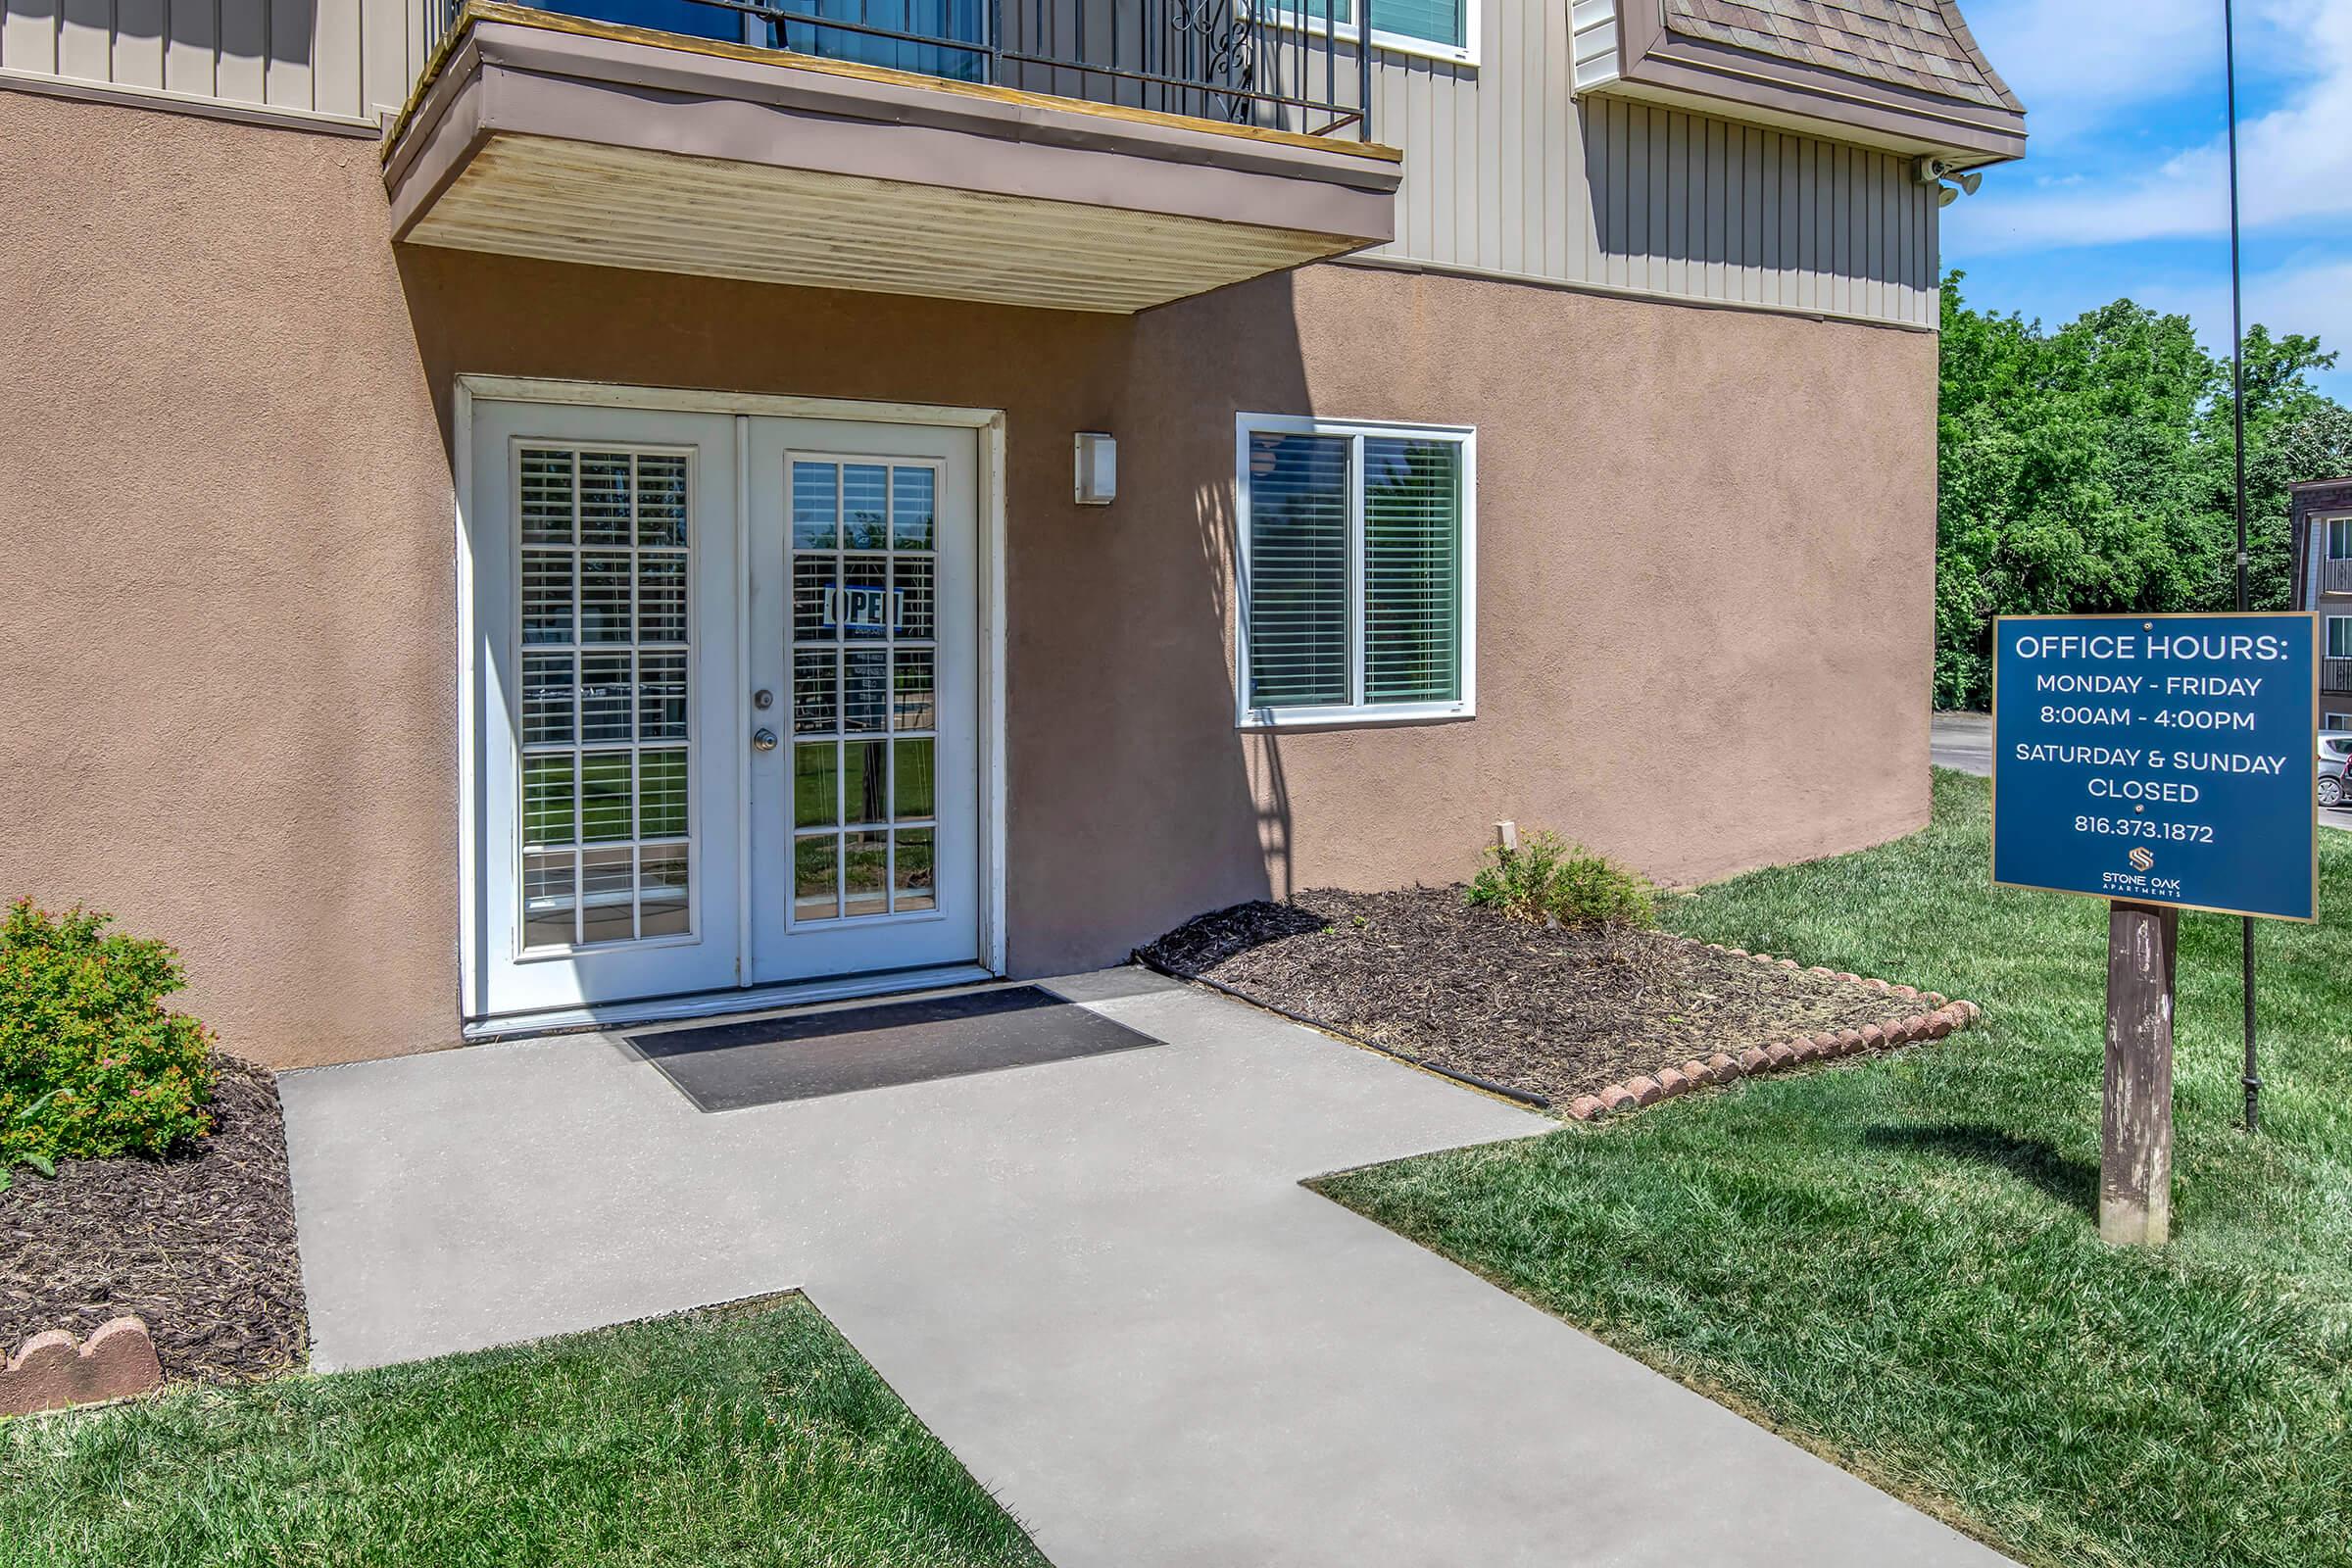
(1904, 74)
(1910, 43)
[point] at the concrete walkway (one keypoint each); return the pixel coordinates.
(1098, 1282)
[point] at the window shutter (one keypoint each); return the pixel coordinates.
(1297, 578)
(1412, 571)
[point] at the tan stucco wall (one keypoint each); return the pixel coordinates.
(225, 609)
(1706, 543)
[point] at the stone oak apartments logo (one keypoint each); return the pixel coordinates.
(2141, 860)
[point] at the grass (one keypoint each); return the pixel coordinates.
(1896, 1261)
(742, 1437)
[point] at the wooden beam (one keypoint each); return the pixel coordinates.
(2136, 1143)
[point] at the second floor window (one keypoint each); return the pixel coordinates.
(2339, 636)
(2339, 538)
(1356, 557)
(1424, 26)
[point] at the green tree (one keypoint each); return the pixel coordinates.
(2088, 470)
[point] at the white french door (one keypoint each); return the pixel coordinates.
(725, 685)
(863, 820)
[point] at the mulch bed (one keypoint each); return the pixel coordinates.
(1552, 1012)
(200, 1244)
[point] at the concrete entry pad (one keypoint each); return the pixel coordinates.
(1099, 1281)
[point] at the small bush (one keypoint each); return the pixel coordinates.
(1552, 882)
(91, 1064)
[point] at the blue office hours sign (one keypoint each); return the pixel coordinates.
(2158, 759)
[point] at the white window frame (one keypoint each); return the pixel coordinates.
(2328, 637)
(2327, 540)
(1291, 16)
(2335, 723)
(1357, 713)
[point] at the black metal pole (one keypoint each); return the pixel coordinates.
(2237, 420)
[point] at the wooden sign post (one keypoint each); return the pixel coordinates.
(2136, 1134)
(2157, 762)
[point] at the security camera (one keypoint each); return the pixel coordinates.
(1931, 170)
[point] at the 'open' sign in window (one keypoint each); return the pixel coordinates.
(867, 608)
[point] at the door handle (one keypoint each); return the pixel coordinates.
(764, 739)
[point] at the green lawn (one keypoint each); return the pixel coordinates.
(1895, 1261)
(745, 1436)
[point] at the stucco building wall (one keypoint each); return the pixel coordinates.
(1705, 539)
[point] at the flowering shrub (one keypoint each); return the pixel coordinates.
(91, 1064)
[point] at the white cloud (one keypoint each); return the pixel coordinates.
(2075, 63)
(2295, 161)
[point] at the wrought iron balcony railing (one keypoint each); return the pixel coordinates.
(1272, 65)
(2335, 676)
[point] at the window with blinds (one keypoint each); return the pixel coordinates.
(1355, 555)
(1445, 24)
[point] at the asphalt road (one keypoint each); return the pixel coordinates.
(1963, 741)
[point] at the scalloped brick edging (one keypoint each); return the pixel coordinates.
(1933, 1019)
(54, 1370)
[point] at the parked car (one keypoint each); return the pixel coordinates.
(2333, 763)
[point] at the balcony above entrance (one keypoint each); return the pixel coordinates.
(973, 157)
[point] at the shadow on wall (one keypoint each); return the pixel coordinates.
(202, 46)
(1790, 222)
(1195, 365)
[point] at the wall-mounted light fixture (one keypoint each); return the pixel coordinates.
(1934, 171)
(1097, 467)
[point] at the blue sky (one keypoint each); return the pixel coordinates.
(2124, 189)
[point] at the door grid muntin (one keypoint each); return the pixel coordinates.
(604, 656)
(862, 662)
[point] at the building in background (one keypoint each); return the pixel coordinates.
(2319, 522)
(521, 515)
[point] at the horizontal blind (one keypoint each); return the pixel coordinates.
(1297, 607)
(1435, 21)
(1431, 20)
(1412, 571)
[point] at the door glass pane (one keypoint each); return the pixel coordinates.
(863, 572)
(865, 874)
(662, 795)
(605, 499)
(814, 783)
(866, 689)
(815, 709)
(546, 800)
(548, 692)
(661, 890)
(606, 563)
(815, 506)
(547, 906)
(911, 789)
(911, 876)
(864, 503)
(911, 701)
(1296, 598)
(547, 498)
(661, 696)
(911, 508)
(608, 895)
(606, 698)
(815, 872)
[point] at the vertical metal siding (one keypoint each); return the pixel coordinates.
(347, 58)
(1506, 168)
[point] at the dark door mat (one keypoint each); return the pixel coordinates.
(765, 1061)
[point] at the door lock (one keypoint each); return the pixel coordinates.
(764, 739)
